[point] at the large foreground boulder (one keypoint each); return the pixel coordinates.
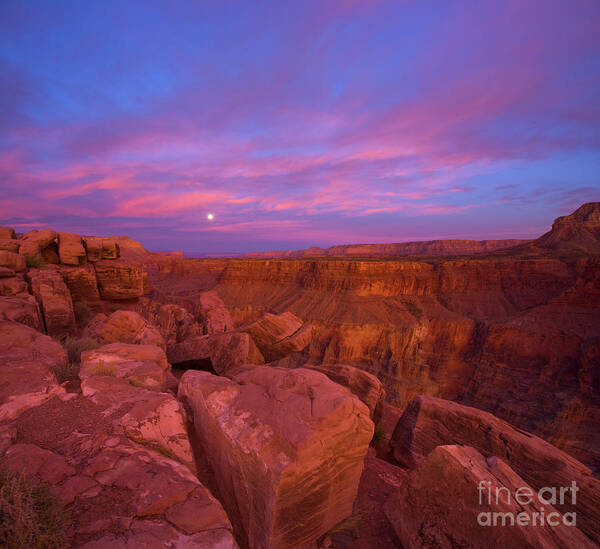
(125, 327)
(286, 447)
(28, 360)
(82, 283)
(429, 422)
(118, 279)
(364, 385)
(222, 352)
(142, 365)
(458, 498)
(49, 288)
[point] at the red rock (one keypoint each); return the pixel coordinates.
(82, 283)
(439, 506)
(99, 248)
(7, 233)
(43, 238)
(125, 327)
(21, 308)
(70, 249)
(429, 422)
(33, 460)
(12, 261)
(286, 447)
(13, 286)
(364, 385)
(28, 359)
(5, 272)
(176, 324)
(119, 279)
(213, 313)
(143, 365)
(49, 288)
(145, 416)
(200, 511)
(225, 351)
(271, 329)
(9, 245)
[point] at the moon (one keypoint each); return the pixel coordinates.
(210, 217)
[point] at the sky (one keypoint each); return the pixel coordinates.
(297, 123)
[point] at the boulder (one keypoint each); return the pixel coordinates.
(13, 286)
(28, 359)
(225, 351)
(429, 422)
(449, 499)
(70, 249)
(149, 417)
(49, 288)
(50, 254)
(43, 238)
(9, 245)
(364, 385)
(30, 249)
(99, 248)
(5, 272)
(286, 448)
(13, 261)
(7, 233)
(82, 283)
(125, 327)
(142, 365)
(278, 335)
(213, 313)
(176, 324)
(23, 309)
(118, 279)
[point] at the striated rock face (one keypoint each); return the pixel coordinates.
(23, 309)
(54, 298)
(26, 368)
(70, 249)
(225, 351)
(124, 327)
(287, 449)
(364, 385)
(98, 248)
(142, 365)
(12, 260)
(428, 248)
(439, 505)
(579, 231)
(9, 245)
(279, 335)
(430, 422)
(14, 285)
(118, 280)
(35, 244)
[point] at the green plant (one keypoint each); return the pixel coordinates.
(75, 346)
(83, 314)
(67, 372)
(379, 435)
(31, 517)
(34, 262)
(413, 309)
(101, 368)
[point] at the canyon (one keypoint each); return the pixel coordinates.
(303, 399)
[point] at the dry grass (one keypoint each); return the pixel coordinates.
(104, 369)
(83, 313)
(69, 372)
(76, 346)
(31, 517)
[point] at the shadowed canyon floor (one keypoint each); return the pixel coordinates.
(304, 402)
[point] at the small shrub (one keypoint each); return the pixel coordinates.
(69, 372)
(413, 309)
(83, 314)
(75, 346)
(101, 368)
(136, 383)
(34, 262)
(31, 517)
(379, 436)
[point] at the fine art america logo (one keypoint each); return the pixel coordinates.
(537, 515)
